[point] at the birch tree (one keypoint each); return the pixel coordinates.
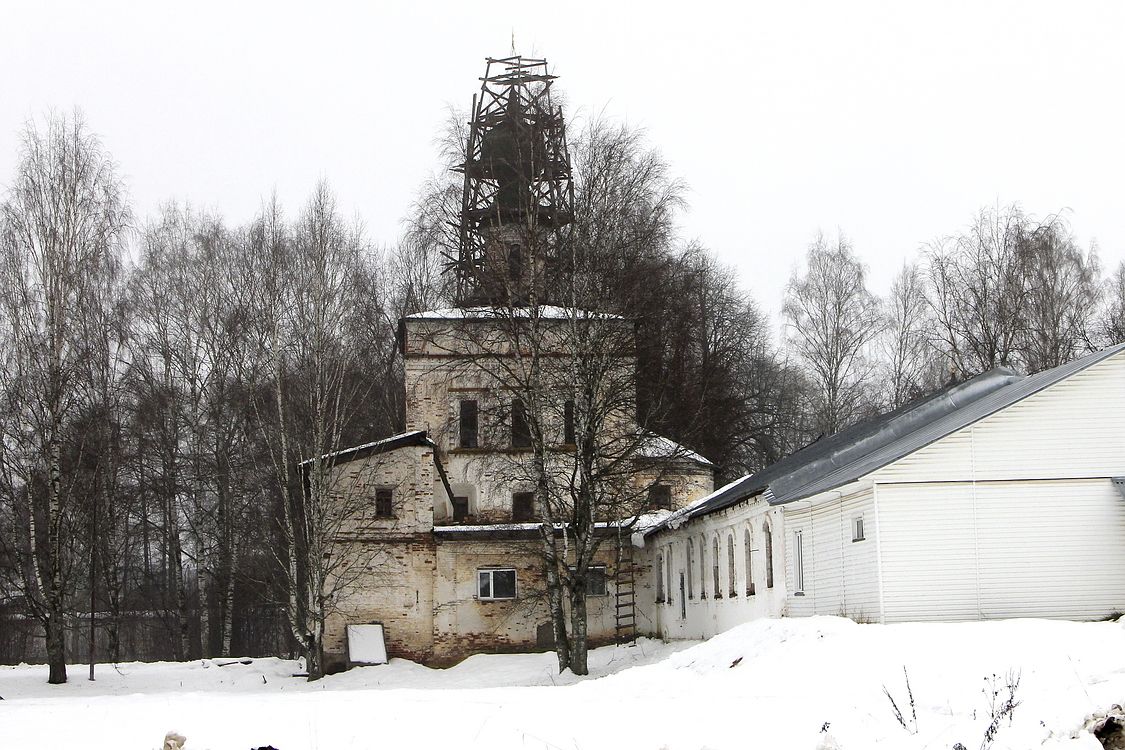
(62, 225)
(832, 320)
(314, 290)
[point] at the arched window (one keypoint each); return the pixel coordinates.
(690, 568)
(718, 588)
(747, 544)
(732, 574)
(660, 577)
(769, 554)
(702, 567)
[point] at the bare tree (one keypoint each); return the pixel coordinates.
(833, 319)
(63, 221)
(907, 353)
(1064, 293)
(314, 291)
(1113, 315)
(979, 292)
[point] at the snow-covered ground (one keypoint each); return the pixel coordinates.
(768, 684)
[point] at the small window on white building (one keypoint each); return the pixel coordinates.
(690, 569)
(798, 563)
(660, 578)
(857, 529)
(496, 583)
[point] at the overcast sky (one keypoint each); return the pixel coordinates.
(892, 122)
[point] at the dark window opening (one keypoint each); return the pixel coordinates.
(660, 497)
(523, 507)
(468, 424)
(460, 508)
(568, 423)
(515, 262)
(383, 505)
(595, 580)
(521, 434)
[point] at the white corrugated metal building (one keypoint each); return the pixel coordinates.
(999, 497)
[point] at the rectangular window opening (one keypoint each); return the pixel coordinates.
(468, 432)
(523, 507)
(660, 497)
(799, 563)
(521, 433)
(498, 583)
(384, 507)
(595, 580)
(460, 508)
(857, 529)
(568, 422)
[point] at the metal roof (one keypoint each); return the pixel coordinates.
(414, 437)
(850, 454)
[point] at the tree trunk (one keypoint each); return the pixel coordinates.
(55, 627)
(578, 646)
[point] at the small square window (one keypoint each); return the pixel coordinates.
(495, 584)
(857, 529)
(595, 580)
(660, 497)
(384, 507)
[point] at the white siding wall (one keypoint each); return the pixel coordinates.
(840, 575)
(1014, 515)
(958, 551)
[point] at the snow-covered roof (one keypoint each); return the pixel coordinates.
(659, 447)
(413, 437)
(547, 312)
(844, 457)
(635, 524)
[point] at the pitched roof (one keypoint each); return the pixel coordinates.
(546, 312)
(414, 437)
(852, 453)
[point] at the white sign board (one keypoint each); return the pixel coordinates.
(366, 644)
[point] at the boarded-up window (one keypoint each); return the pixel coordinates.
(568, 423)
(523, 507)
(660, 497)
(460, 508)
(702, 567)
(716, 586)
(468, 433)
(747, 538)
(732, 574)
(690, 569)
(499, 583)
(383, 505)
(769, 555)
(521, 434)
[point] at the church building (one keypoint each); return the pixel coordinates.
(446, 539)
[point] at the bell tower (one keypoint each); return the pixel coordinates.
(518, 191)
